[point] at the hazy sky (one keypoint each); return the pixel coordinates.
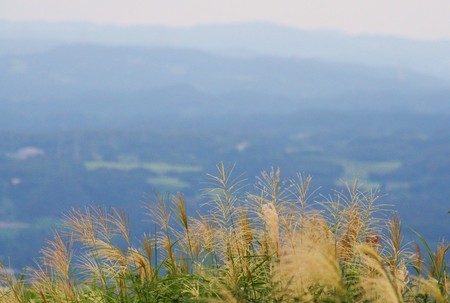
(427, 19)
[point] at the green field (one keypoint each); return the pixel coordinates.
(167, 182)
(361, 170)
(155, 167)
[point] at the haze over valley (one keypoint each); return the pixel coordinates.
(104, 115)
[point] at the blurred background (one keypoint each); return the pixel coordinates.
(103, 102)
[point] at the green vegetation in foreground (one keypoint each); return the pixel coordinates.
(262, 244)
(156, 167)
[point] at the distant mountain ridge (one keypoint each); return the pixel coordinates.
(103, 74)
(248, 39)
(163, 79)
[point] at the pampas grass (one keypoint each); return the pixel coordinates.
(274, 242)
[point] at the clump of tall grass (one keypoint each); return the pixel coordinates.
(274, 242)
